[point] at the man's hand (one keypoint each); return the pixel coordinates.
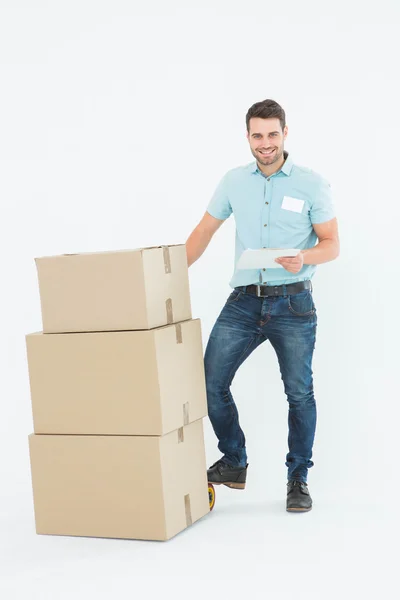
(293, 264)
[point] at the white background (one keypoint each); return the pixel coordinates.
(117, 121)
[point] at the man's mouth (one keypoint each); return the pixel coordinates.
(266, 152)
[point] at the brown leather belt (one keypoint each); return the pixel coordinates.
(264, 291)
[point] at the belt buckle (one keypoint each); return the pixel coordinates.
(258, 292)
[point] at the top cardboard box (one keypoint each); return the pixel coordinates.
(114, 291)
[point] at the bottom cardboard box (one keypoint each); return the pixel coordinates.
(134, 487)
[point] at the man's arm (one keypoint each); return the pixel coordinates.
(327, 249)
(200, 237)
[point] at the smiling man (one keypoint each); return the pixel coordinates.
(276, 204)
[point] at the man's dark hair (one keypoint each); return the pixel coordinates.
(266, 109)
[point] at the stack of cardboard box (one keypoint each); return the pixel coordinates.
(118, 396)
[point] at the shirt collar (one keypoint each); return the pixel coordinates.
(286, 167)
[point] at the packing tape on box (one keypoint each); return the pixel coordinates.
(167, 259)
(170, 315)
(186, 413)
(178, 329)
(188, 511)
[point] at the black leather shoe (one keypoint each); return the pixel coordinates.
(220, 473)
(298, 496)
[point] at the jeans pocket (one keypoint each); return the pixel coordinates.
(234, 296)
(301, 304)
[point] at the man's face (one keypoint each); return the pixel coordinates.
(266, 140)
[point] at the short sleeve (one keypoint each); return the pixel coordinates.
(219, 205)
(322, 208)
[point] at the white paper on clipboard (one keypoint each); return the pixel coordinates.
(264, 258)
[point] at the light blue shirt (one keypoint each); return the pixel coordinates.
(256, 201)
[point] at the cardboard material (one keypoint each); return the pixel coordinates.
(119, 383)
(114, 291)
(119, 486)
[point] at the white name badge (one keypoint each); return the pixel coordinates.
(293, 204)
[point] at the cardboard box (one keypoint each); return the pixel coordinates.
(119, 383)
(133, 487)
(114, 291)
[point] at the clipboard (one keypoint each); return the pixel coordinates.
(264, 258)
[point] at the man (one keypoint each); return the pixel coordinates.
(276, 204)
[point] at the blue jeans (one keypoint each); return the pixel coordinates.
(246, 321)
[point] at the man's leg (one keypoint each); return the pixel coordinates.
(292, 333)
(233, 338)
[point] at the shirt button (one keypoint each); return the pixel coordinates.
(264, 269)
(268, 178)
(266, 203)
(265, 224)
